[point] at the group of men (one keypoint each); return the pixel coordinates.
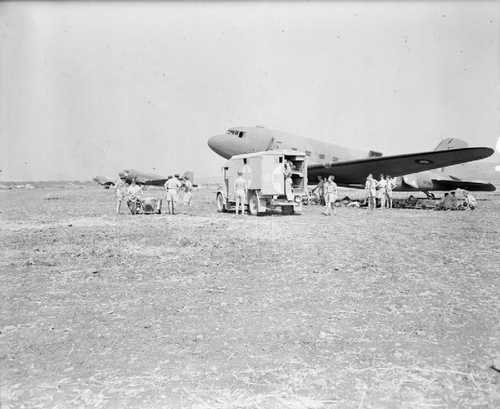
(176, 188)
(451, 201)
(379, 189)
(327, 191)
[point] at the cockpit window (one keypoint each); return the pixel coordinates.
(235, 132)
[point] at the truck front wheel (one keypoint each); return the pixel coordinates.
(221, 203)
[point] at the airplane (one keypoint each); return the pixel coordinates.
(141, 178)
(350, 167)
(104, 181)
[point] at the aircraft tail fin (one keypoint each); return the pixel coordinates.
(451, 143)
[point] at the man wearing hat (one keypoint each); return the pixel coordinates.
(172, 186)
(240, 192)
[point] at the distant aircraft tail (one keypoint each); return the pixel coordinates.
(451, 143)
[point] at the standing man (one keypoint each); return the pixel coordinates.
(320, 190)
(330, 195)
(371, 191)
(121, 192)
(188, 191)
(171, 186)
(382, 187)
(388, 191)
(240, 192)
(288, 188)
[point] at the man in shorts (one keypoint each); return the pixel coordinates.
(371, 191)
(172, 186)
(382, 189)
(188, 191)
(388, 191)
(240, 192)
(121, 193)
(330, 195)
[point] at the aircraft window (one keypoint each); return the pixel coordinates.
(308, 153)
(322, 156)
(245, 161)
(335, 159)
(241, 134)
(294, 149)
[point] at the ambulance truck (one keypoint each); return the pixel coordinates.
(275, 179)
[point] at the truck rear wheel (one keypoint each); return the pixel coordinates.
(221, 203)
(253, 204)
(287, 210)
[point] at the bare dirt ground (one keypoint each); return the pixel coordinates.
(394, 309)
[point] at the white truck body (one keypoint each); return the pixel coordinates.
(266, 174)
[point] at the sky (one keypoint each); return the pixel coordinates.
(90, 88)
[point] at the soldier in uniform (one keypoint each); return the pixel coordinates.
(388, 191)
(331, 191)
(319, 190)
(188, 191)
(240, 192)
(371, 191)
(172, 186)
(121, 192)
(382, 189)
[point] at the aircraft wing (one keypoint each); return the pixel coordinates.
(355, 172)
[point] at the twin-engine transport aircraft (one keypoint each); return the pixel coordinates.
(350, 167)
(150, 179)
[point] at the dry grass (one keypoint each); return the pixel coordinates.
(394, 309)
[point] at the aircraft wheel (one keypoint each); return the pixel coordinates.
(221, 203)
(253, 204)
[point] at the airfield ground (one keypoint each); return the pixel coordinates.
(395, 309)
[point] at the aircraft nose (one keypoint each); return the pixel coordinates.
(218, 144)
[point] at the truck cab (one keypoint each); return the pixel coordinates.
(275, 179)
